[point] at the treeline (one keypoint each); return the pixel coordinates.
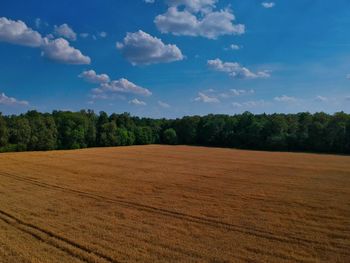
(34, 131)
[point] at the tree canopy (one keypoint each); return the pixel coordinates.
(34, 131)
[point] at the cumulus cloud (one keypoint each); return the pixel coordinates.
(37, 22)
(202, 97)
(140, 48)
(194, 5)
(237, 105)
(60, 50)
(84, 35)
(163, 104)
(321, 98)
(103, 34)
(137, 102)
(91, 76)
(214, 96)
(249, 104)
(236, 93)
(235, 70)
(210, 25)
(285, 98)
(149, 1)
(233, 47)
(65, 31)
(123, 86)
(268, 4)
(110, 89)
(9, 101)
(17, 32)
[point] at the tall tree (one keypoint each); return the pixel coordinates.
(43, 131)
(144, 135)
(3, 132)
(169, 136)
(20, 132)
(108, 134)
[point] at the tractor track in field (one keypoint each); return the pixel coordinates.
(179, 215)
(66, 245)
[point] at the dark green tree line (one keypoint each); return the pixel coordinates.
(34, 131)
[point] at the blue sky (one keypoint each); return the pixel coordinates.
(172, 58)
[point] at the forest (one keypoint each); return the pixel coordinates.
(302, 132)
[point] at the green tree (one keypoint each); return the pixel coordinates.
(20, 132)
(337, 132)
(144, 135)
(3, 132)
(108, 134)
(318, 132)
(304, 121)
(43, 134)
(249, 131)
(72, 129)
(276, 129)
(186, 129)
(169, 136)
(122, 137)
(210, 129)
(91, 130)
(100, 128)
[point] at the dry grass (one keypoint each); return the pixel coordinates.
(171, 204)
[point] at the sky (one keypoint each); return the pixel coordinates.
(170, 58)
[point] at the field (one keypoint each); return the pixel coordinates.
(174, 204)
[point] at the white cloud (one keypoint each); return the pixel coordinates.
(121, 86)
(235, 70)
(60, 50)
(91, 76)
(250, 104)
(17, 32)
(110, 89)
(103, 34)
(211, 25)
(194, 5)
(38, 22)
(66, 31)
(50, 36)
(285, 98)
(149, 1)
(268, 4)
(210, 90)
(140, 48)
(100, 96)
(213, 96)
(239, 92)
(84, 35)
(348, 76)
(163, 104)
(9, 101)
(236, 93)
(137, 102)
(234, 47)
(237, 105)
(321, 98)
(206, 98)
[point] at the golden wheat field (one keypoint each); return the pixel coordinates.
(174, 204)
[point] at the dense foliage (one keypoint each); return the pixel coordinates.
(319, 132)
